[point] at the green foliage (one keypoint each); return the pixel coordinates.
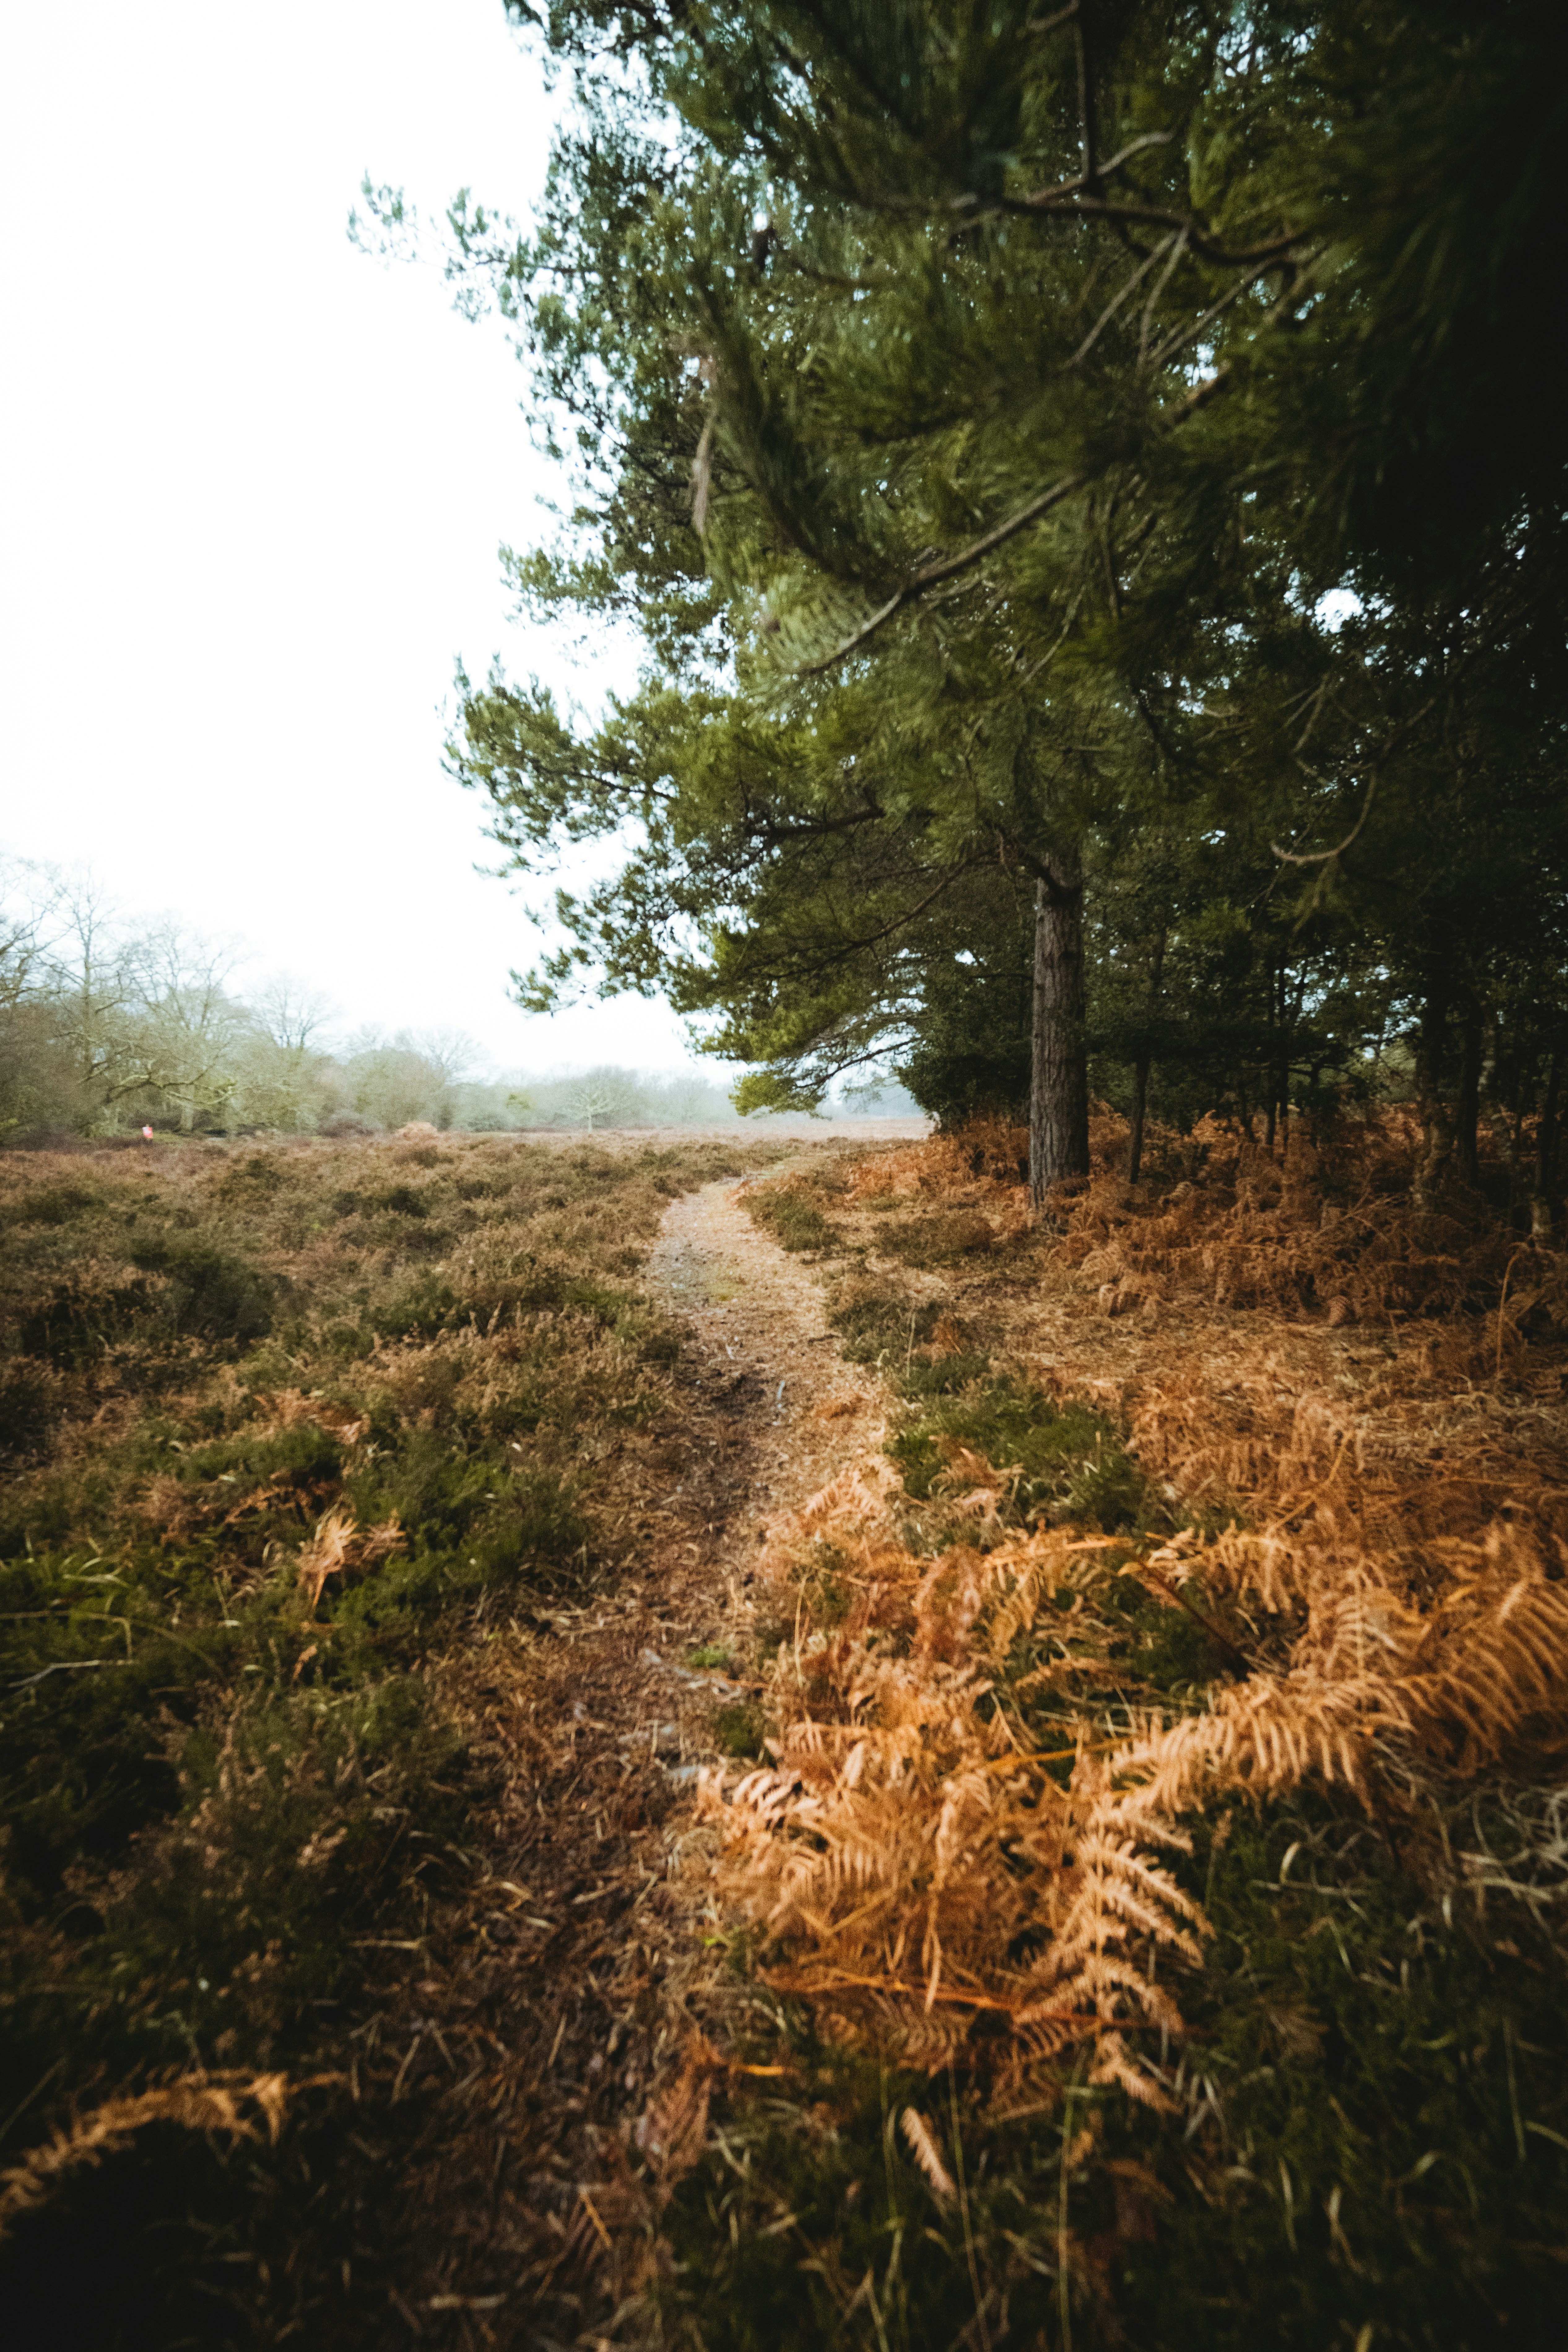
(1056, 1462)
(740, 1729)
(1032, 450)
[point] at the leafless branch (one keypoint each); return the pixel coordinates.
(1049, 24)
(1324, 857)
(933, 573)
(1088, 178)
(1155, 291)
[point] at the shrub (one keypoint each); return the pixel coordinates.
(209, 1294)
(793, 1219)
(1061, 1461)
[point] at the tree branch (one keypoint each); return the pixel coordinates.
(932, 574)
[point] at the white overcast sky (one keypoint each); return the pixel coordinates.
(251, 487)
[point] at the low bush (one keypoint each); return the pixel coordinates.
(1059, 1462)
(791, 1212)
(878, 1325)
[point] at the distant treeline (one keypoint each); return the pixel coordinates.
(106, 1028)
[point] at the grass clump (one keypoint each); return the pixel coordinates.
(878, 1325)
(942, 1239)
(1053, 1461)
(791, 1210)
(740, 1729)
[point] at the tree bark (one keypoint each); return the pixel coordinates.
(1437, 1124)
(1544, 1205)
(1469, 1104)
(1272, 1066)
(1059, 1079)
(1141, 1066)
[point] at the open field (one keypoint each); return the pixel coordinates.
(821, 1766)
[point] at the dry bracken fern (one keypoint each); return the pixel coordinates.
(1388, 1599)
(205, 2102)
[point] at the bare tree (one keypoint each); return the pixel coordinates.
(293, 1013)
(94, 982)
(28, 896)
(188, 1032)
(603, 1097)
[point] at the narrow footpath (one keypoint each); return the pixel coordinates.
(582, 1967)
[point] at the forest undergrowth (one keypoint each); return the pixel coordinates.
(319, 1458)
(1152, 1904)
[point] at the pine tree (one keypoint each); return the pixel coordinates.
(976, 411)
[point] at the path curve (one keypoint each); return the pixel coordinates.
(760, 1334)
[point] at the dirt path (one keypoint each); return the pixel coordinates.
(761, 1339)
(585, 1962)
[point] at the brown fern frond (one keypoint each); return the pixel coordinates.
(924, 2148)
(338, 1545)
(198, 2102)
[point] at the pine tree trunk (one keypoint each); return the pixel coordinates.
(1284, 1034)
(1271, 1082)
(1135, 1124)
(1437, 1124)
(1542, 1207)
(1470, 1107)
(1141, 1069)
(1059, 1081)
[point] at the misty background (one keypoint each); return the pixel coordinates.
(109, 1025)
(252, 484)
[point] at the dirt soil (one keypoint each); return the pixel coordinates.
(550, 2026)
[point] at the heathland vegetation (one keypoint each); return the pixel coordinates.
(291, 1436)
(1158, 1870)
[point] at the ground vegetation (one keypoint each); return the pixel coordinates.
(315, 1456)
(1156, 1870)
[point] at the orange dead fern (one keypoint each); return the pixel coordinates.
(205, 2102)
(339, 1546)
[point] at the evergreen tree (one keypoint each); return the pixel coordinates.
(975, 411)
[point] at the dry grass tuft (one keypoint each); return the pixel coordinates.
(338, 1547)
